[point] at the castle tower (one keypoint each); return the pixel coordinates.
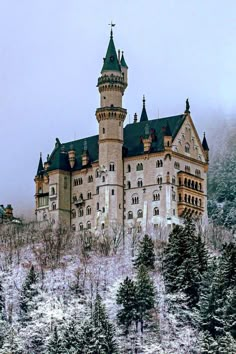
(110, 116)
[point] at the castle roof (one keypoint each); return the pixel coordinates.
(133, 145)
(123, 62)
(111, 62)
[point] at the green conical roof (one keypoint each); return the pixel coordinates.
(40, 166)
(111, 62)
(204, 143)
(123, 62)
(144, 116)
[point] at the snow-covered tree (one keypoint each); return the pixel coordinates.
(127, 297)
(55, 344)
(28, 293)
(145, 295)
(184, 262)
(146, 255)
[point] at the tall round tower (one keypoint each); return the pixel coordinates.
(110, 116)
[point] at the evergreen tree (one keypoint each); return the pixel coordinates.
(207, 343)
(228, 265)
(185, 260)
(210, 303)
(29, 291)
(230, 312)
(145, 294)
(104, 331)
(73, 338)
(226, 344)
(146, 255)
(55, 345)
(127, 297)
(88, 338)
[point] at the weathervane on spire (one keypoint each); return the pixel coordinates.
(112, 25)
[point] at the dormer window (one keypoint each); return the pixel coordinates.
(187, 148)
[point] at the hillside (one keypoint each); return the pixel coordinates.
(61, 290)
(222, 174)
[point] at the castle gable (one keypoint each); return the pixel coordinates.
(187, 141)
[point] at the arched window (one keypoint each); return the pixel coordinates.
(200, 202)
(128, 168)
(76, 182)
(73, 213)
(97, 173)
(81, 212)
(180, 198)
(88, 210)
(103, 130)
(90, 179)
(139, 228)
(112, 166)
(88, 225)
(54, 206)
(89, 195)
(187, 148)
(140, 183)
(97, 206)
(156, 196)
(139, 167)
(200, 186)
(187, 169)
(173, 180)
(130, 215)
(103, 178)
(173, 196)
(198, 173)
(128, 185)
(112, 192)
(135, 199)
(73, 227)
(159, 180)
(44, 216)
(80, 181)
(81, 227)
(196, 201)
(155, 211)
(177, 165)
(139, 213)
(53, 192)
(97, 190)
(185, 198)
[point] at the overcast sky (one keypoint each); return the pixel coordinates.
(51, 55)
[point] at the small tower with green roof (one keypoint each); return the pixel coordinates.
(110, 116)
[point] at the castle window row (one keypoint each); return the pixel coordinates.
(78, 181)
(156, 212)
(88, 226)
(191, 184)
(81, 212)
(191, 200)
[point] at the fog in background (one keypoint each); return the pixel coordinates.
(51, 54)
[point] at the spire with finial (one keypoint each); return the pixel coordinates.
(204, 143)
(122, 61)
(135, 118)
(111, 62)
(144, 116)
(187, 108)
(40, 169)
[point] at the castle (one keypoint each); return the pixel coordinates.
(146, 174)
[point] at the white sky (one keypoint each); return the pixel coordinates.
(51, 55)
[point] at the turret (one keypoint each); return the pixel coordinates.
(124, 68)
(205, 147)
(71, 156)
(110, 116)
(144, 116)
(85, 155)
